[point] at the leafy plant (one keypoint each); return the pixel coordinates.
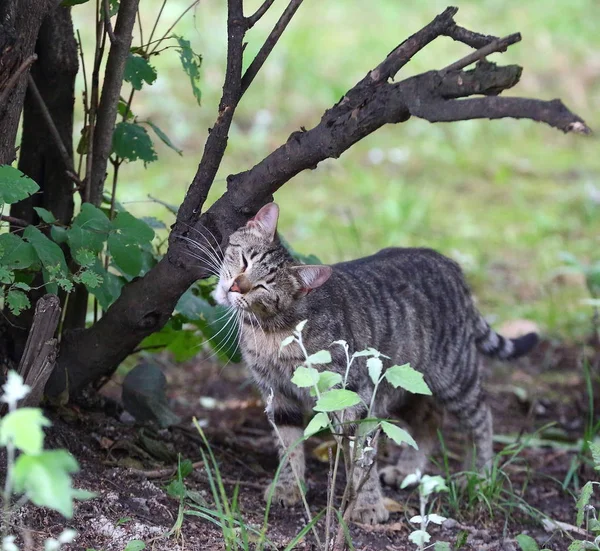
(37, 475)
(427, 485)
(333, 401)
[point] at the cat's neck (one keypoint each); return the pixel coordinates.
(281, 322)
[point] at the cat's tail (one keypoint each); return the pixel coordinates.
(492, 344)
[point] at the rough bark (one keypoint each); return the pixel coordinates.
(147, 303)
(20, 22)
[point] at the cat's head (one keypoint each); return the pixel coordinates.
(259, 275)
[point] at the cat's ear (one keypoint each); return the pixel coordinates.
(266, 220)
(312, 276)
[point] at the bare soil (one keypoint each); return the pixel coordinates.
(129, 466)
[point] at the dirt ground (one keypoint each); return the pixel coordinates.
(128, 466)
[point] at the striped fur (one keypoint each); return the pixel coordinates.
(412, 305)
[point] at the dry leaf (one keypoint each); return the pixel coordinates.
(321, 452)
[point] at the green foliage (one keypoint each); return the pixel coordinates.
(135, 545)
(408, 378)
(24, 429)
(527, 543)
(45, 215)
(17, 301)
(131, 142)
(583, 501)
(163, 137)
(336, 400)
(15, 252)
(138, 70)
(45, 479)
(191, 62)
(14, 185)
(398, 435)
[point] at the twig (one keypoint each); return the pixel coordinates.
(253, 19)
(14, 221)
(111, 92)
(162, 7)
(15, 78)
(499, 45)
(269, 44)
(470, 38)
(107, 23)
(85, 99)
(172, 26)
(161, 473)
(53, 130)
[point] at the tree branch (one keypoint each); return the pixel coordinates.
(269, 44)
(470, 38)
(146, 303)
(54, 131)
(254, 18)
(498, 45)
(216, 142)
(15, 78)
(107, 23)
(111, 92)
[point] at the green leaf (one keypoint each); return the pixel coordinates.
(527, 543)
(305, 377)
(23, 427)
(577, 545)
(46, 479)
(110, 288)
(327, 379)
(124, 111)
(316, 424)
(163, 137)
(17, 301)
(69, 3)
(6, 275)
(132, 228)
(154, 223)
(595, 449)
(398, 435)
(85, 258)
(138, 70)
(191, 62)
(45, 215)
(337, 399)
(135, 545)
(59, 234)
(89, 229)
(584, 499)
(375, 367)
(285, 342)
(113, 7)
(16, 253)
(144, 395)
(14, 185)
(131, 142)
(441, 546)
(192, 306)
(47, 250)
(406, 377)
(319, 358)
(90, 279)
(301, 325)
(126, 256)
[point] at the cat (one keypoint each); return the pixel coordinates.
(411, 304)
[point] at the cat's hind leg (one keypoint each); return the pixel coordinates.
(424, 418)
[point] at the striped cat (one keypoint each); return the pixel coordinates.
(412, 305)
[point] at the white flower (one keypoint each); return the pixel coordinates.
(14, 388)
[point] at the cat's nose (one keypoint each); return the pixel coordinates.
(235, 288)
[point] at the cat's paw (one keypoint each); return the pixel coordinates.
(284, 495)
(367, 512)
(394, 475)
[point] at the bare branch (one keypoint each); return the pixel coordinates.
(107, 23)
(269, 44)
(253, 19)
(111, 92)
(470, 38)
(498, 45)
(553, 113)
(403, 53)
(216, 143)
(15, 78)
(53, 131)
(18, 222)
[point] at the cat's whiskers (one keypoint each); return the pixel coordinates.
(232, 312)
(229, 334)
(206, 238)
(236, 341)
(214, 261)
(207, 266)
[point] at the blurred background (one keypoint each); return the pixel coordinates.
(508, 199)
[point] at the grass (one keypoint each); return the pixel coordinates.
(504, 197)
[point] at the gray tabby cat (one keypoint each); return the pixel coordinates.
(412, 305)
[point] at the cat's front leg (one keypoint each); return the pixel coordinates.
(288, 487)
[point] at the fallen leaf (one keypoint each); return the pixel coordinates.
(393, 506)
(321, 452)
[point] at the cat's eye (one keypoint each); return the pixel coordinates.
(244, 263)
(261, 286)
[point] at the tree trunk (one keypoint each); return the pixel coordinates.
(20, 22)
